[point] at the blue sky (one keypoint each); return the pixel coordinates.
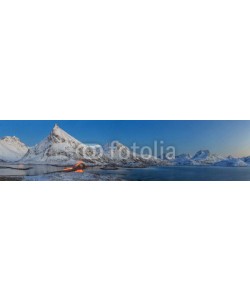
(222, 137)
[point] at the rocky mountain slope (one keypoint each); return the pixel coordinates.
(119, 154)
(231, 161)
(201, 158)
(60, 147)
(12, 149)
(205, 157)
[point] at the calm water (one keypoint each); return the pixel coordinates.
(46, 172)
(190, 173)
(27, 170)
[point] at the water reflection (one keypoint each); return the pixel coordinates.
(28, 170)
(208, 173)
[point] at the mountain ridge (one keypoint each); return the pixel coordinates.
(12, 149)
(62, 148)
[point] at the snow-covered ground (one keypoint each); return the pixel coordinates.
(86, 176)
(173, 173)
(44, 172)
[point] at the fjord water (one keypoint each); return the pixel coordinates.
(173, 173)
(180, 173)
(27, 170)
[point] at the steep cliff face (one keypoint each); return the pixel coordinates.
(59, 146)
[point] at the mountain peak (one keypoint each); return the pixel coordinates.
(202, 154)
(56, 128)
(11, 140)
(12, 149)
(58, 135)
(57, 146)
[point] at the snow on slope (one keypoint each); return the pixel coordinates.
(58, 147)
(246, 160)
(231, 162)
(201, 158)
(120, 154)
(184, 160)
(12, 149)
(204, 157)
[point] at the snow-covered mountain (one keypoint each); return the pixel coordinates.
(231, 161)
(12, 149)
(205, 157)
(120, 154)
(184, 160)
(246, 160)
(201, 158)
(60, 147)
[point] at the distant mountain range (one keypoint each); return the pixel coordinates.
(61, 148)
(205, 158)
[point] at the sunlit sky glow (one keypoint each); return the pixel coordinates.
(221, 137)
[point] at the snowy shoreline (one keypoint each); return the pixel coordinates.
(151, 174)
